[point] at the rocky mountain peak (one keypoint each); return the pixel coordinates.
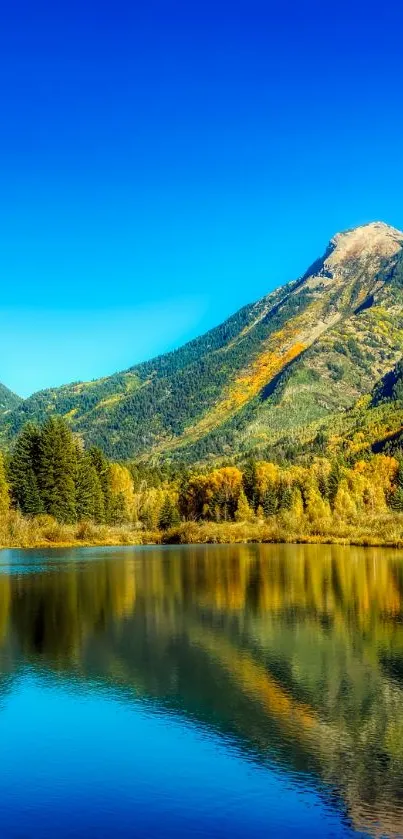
(366, 246)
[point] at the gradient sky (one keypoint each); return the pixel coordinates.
(163, 163)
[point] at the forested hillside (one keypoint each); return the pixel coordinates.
(8, 399)
(301, 368)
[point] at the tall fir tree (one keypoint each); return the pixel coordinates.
(89, 495)
(333, 481)
(249, 481)
(396, 500)
(23, 471)
(270, 501)
(57, 470)
(102, 468)
(169, 515)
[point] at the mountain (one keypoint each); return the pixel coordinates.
(8, 399)
(276, 372)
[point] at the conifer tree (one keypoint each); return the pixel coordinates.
(57, 470)
(270, 501)
(23, 471)
(284, 496)
(249, 481)
(89, 496)
(169, 515)
(335, 476)
(102, 468)
(396, 501)
(117, 509)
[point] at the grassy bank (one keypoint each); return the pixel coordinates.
(16, 531)
(44, 531)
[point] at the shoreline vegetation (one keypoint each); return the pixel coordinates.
(56, 493)
(45, 532)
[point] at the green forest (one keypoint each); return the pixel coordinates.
(53, 490)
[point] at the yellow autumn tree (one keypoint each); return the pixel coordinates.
(4, 493)
(243, 511)
(344, 505)
(122, 493)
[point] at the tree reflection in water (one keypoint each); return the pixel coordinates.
(295, 652)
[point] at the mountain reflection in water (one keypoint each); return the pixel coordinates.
(292, 653)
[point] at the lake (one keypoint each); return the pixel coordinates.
(201, 691)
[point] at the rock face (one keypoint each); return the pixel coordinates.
(368, 245)
(276, 371)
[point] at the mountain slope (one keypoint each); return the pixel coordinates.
(280, 366)
(8, 399)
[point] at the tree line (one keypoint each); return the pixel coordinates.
(50, 472)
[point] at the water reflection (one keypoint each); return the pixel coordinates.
(295, 653)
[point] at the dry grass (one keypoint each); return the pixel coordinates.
(386, 529)
(44, 531)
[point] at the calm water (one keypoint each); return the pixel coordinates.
(251, 691)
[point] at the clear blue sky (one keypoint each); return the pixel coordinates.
(163, 163)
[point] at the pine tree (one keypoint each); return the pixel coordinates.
(117, 509)
(249, 481)
(57, 470)
(270, 502)
(284, 496)
(23, 471)
(335, 476)
(396, 501)
(169, 515)
(102, 467)
(89, 496)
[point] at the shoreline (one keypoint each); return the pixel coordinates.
(293, 539)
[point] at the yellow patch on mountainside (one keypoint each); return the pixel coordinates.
(281, 348)
(70, 414)
(247, 385)
(110, 400)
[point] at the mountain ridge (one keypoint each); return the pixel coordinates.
(279, 365)
(8, 399)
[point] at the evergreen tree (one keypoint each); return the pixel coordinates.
(270, 501)
(284, 496)
(250, 483)
(117, 513)
(396, 501)
(23, 471)
(57, 470)
(102, 467)
(335, 476)
(89, 495)
(169, 515)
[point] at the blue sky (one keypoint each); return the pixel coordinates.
(163, 163)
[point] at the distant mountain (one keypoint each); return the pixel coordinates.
(278, 372)
(8, 399)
